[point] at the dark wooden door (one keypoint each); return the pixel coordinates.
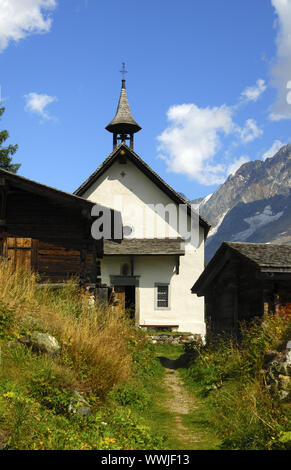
(19, 251)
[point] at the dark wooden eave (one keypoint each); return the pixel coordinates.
(147, 170)
(62, 197)
(34, 210)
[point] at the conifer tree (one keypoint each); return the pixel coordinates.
(7, 152)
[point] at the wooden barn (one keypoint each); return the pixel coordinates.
(245, 280)
(48, 231)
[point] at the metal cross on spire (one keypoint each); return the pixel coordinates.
(123, 71)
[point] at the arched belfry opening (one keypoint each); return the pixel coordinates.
(123, 126)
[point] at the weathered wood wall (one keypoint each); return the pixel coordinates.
(234, 295)
(53, 263)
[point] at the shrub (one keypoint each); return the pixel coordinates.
(245, 414)
(52, 390)
(131, 395)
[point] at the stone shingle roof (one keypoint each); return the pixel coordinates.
(142, 246)
(123, 120)
(267, 258)
(264, 255)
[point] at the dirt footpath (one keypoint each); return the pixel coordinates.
(179, 403)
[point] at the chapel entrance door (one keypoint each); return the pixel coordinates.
(119, 292)
(126, 297)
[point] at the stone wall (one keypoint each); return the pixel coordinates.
(175, 339)
(277, 372)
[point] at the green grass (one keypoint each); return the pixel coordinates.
(168, 350)
(102, 355)
(121, 376)
(160, 418)
(158, 332)
(227, 378)
(34, 395)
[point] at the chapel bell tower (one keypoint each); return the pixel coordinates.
(123, 126)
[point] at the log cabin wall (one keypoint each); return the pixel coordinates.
(243, 281)
(29, 213)
(48, 231)
(234, 295)
(53, 263)
(18, 251)
(250, 293)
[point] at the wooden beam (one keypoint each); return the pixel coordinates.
(177, 265)
(94, 266)
(132, 266)
(235, 310)
(209, 274)
(83, 274)
(3, 206)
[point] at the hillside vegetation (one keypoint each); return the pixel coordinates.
(134, 402)
(103, 358)
(242, 402)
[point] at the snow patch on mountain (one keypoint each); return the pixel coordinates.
(205, 199)
(255, 222)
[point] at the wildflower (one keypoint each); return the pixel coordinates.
(9, 395)
(109, 440)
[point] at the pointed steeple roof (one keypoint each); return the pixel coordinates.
(123, 122)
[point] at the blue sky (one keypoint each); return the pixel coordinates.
(207, 82)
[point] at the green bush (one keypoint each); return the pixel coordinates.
(131, 395)
(244, 413)
(211, 366)
(247, 416)
(51, 390)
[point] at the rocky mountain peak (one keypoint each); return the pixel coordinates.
(256, 196)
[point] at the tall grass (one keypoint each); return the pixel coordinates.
(95, 340)
(229, 375)
(102, 354)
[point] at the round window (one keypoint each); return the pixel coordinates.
(127, 230)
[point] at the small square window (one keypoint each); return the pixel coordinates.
(162, 296)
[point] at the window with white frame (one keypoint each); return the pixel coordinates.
(162, 296)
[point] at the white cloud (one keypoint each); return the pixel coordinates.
(234, 166)
(192, 139)
(250, 132)
(37, 103)
(281, 71)
(20, 18)
(273, 149)
(252, 93)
